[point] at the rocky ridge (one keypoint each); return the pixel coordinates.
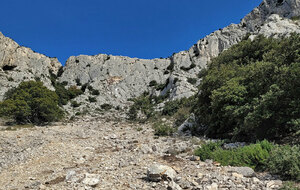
(18, 63)
(119, 78)
(272, 19)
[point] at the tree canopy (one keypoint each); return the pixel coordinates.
(31, 102)
(251, 91)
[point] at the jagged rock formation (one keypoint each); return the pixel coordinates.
(271, 18)
(120, 78)
(18, 63)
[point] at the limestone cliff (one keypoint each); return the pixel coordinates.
(18, 63)
(119, 78)
(272, 19)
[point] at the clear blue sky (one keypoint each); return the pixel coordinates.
(135, 28)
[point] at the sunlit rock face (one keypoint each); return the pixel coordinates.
(18, 63)
(120, 78)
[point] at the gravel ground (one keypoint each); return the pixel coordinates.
(94, 153)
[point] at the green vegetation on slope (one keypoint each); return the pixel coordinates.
(251, 91)
(281, 160)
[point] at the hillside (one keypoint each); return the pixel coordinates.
(119, 78)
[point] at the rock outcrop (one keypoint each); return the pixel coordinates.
(272, 19)
(120, 78)
(18, 63)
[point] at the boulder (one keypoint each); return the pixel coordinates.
(158, 172)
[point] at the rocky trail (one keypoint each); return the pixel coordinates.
(94, 153)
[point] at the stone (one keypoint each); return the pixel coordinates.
(70, 175)
(194, 158)
(237, 175)
(184, 184)
(174, 186)
(91, 180)
(154, 148)
(255, 180)
(213, 186)
(274, 184)
(234, 145)
(207, 161)
(42, 186)
(245, 171)
(158, 172)
(200, 175)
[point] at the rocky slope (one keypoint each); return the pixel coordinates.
(94, 153)
(120, 78)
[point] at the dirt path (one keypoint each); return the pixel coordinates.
(98, 154)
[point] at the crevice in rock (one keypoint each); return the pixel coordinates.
(8, 67)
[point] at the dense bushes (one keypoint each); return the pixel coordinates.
(281, 160)
(285, 161)
(172, 107)
(31, 102)
(65, 95)
(162, 129)
(251, 91)
(254, 155)
(144, 104)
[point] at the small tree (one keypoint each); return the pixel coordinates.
(31, 102)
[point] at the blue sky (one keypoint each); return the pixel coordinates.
(134, 28)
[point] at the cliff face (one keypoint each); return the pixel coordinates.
(271, 18)
(119, 78)
(19, 64)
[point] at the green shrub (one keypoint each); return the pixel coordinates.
(254, 155)
(161, 129)
(90, 88)
(285, 161)
(192, 80)
(152, 83)
(142, 103)
(171, 107)
(64, 94)
(60, 71)
(251, 91)
(31, 102)
(74, 92)
(160, 86)
(206, 150)
(171, 66)
(106, 106)
(95, 92)
(77, 80)
(83, 87)
(202, 73)
(289, 185)
(64, 83)
(295, 18)
(75, 104)
(92, 99)
(132, 113)
(181, 115)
